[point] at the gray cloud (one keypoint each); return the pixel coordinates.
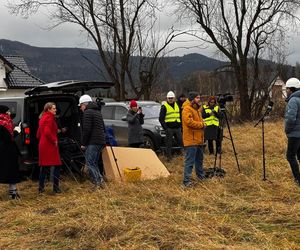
(33, 31)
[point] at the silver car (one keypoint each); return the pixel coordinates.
(114, 115)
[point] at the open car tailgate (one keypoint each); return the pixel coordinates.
(70, 86)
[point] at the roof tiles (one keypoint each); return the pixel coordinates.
(20, 76)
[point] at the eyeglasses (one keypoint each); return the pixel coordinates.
(170, 98)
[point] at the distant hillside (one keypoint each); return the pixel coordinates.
(54, 64)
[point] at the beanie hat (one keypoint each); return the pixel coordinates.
(193, 95)
(182, 95)
(133, 103)
(3, 109)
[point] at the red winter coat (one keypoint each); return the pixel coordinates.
(47, 135)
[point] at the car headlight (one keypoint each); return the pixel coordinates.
(158, 128)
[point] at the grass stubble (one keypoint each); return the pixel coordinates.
(239, 211)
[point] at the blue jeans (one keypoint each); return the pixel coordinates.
(293, 156)
(44, 171)
(92, 155)
(193, 156)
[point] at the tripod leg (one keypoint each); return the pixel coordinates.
(215, 162)
(220, 161)
(231, 139)
(69, 169)
(116, 161)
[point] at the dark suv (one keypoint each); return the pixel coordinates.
(114, 115)
(27, 110)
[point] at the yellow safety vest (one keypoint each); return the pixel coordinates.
(172, 114)
(211, 120)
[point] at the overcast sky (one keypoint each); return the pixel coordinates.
(33, 31)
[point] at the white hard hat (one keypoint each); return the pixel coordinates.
(293, 83)
(170, 94)
(85, 98)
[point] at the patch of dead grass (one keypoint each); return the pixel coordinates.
(239, 211)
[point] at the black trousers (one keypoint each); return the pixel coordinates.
(170, 132)
(293, 155)
(44, 171)
(211, 146)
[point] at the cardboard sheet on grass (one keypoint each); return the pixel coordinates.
(145, 159)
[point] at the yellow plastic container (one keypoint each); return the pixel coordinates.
(132, 174)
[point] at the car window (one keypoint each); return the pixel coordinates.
(107, 112)
(151, 110)
(120, 113)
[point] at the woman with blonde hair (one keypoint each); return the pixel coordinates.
(48, 147)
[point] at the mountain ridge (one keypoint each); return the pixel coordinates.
(63, 63)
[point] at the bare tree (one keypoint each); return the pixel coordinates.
(242, 30)
(297, 70)
(119, 29)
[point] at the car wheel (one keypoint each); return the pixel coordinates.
(148, 142)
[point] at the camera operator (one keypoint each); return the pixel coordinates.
(211, 116)
(292, 125)
(135, 118)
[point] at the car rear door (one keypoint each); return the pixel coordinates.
(120, 125)
(64, 94)
(112, 115)
(70, 86)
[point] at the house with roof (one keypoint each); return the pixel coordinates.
(277, 89)
(15, 76)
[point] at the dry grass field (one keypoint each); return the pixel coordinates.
(239, 211)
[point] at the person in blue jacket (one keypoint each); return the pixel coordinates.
(292, 126)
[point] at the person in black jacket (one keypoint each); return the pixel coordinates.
(92, 137)
(169, 118)
(135, 119)
(9, 154)
(180, 100)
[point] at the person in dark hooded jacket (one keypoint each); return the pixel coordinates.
(292, 125)
(92, 137)
(9, 165)
(135, 119)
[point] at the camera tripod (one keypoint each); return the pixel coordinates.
(224, 121)
(262, 120)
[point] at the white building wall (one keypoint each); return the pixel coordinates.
(12, 93)
(2, 76)
(284, 94)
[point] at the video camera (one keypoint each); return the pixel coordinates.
(223, 98)
(100, 102)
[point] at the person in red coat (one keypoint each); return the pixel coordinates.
(48, 147)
